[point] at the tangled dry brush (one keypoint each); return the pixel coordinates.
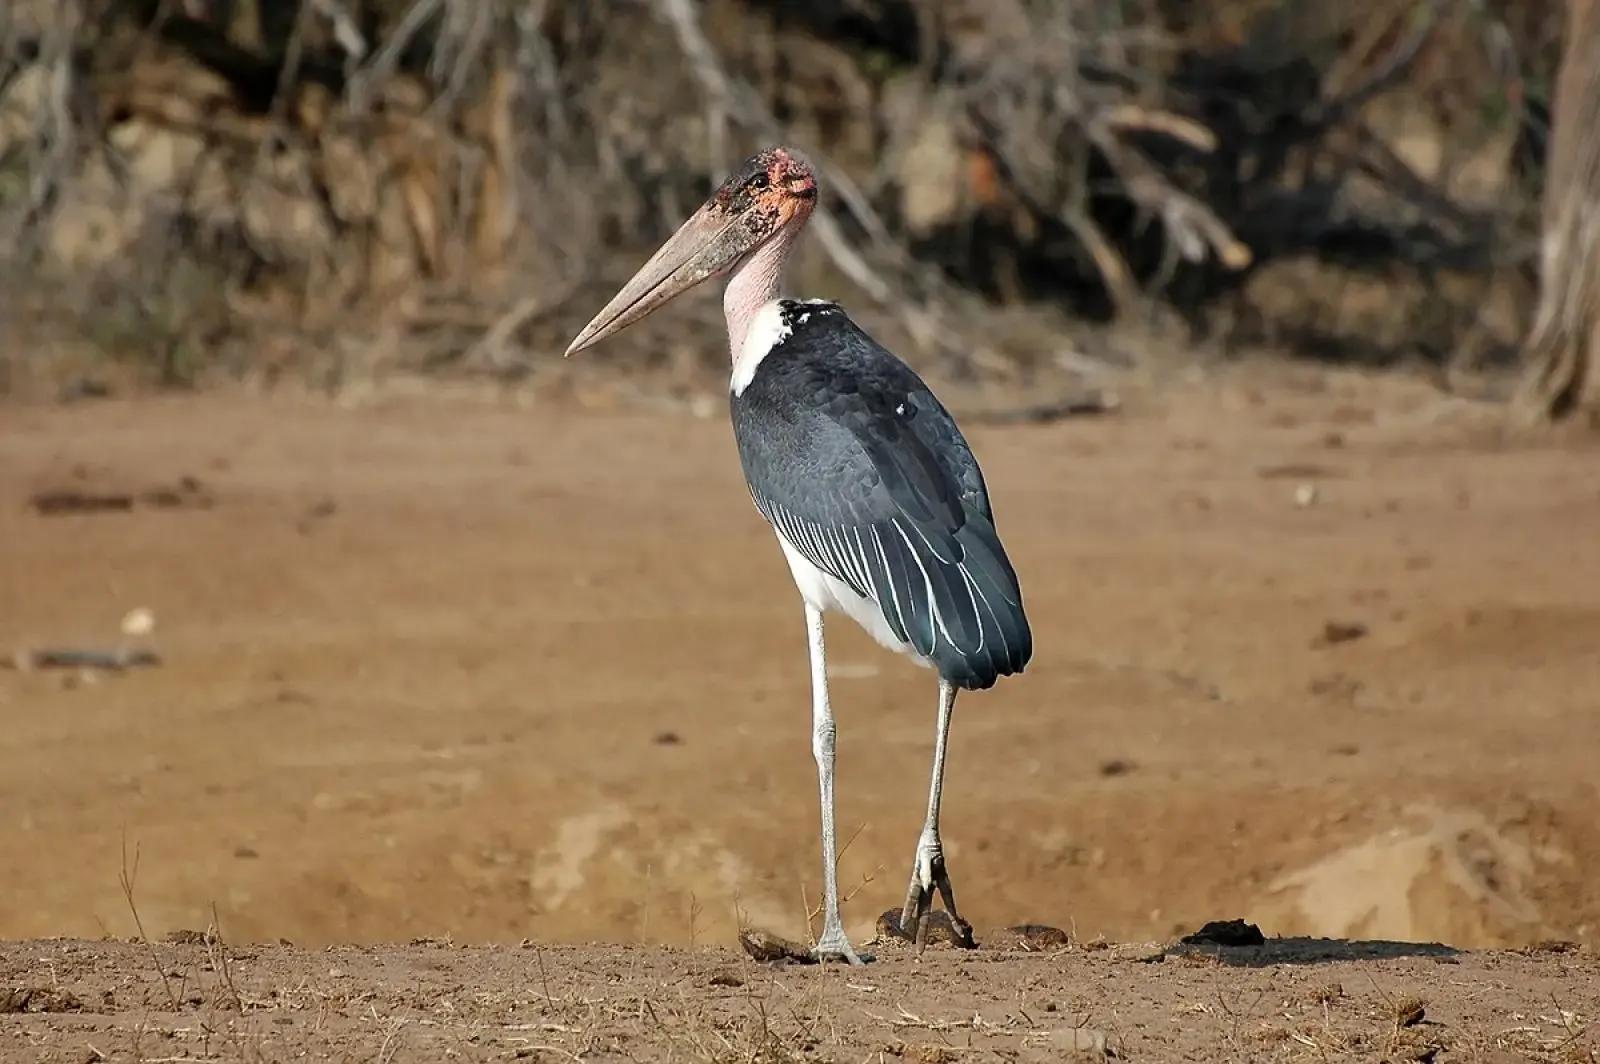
(191, 187)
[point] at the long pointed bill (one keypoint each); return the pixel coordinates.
(711, 241)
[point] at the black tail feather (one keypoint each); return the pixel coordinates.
(957, 598)
(1007, 643)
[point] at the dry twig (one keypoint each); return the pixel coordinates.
(731, 98)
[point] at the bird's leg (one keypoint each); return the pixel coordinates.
(833, 944)
(928, 872)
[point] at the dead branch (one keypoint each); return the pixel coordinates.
(1191, 223)
(738, 100)
(1086, 404)
(381, 67)
(1127, 118)
(1560, 377)
(101, 660)
(730, 98)
(54, 147)
(1044, 121)
(256, 78)
(1108, 260)
(1383, 77)
(345, 31)
(493, 345)
(1042, 152)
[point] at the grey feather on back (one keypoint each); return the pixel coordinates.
(859, 466)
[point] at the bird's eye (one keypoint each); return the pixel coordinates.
(759, 182)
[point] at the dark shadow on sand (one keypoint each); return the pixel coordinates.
(1242, 945)
(1308, 951)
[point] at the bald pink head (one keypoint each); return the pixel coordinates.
(746, 226)
(771, 186)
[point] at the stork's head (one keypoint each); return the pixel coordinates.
(773, 191)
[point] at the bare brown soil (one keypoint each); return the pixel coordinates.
(428, 1003)
(487, 672)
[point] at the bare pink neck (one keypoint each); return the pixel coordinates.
(756, 282)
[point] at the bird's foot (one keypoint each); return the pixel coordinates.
(927, 875)
(834, 945)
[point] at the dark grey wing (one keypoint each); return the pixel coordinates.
(861, 469)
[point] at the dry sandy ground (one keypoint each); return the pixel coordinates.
(431, 1003)
(451, 668)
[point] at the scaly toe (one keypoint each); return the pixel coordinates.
(838, 948)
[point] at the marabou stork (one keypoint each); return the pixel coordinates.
(877, 501)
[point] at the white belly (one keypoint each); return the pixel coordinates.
(827, 592)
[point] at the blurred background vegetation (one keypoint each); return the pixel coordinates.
(194, 191)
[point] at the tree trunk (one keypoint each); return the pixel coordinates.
(1561, 349)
